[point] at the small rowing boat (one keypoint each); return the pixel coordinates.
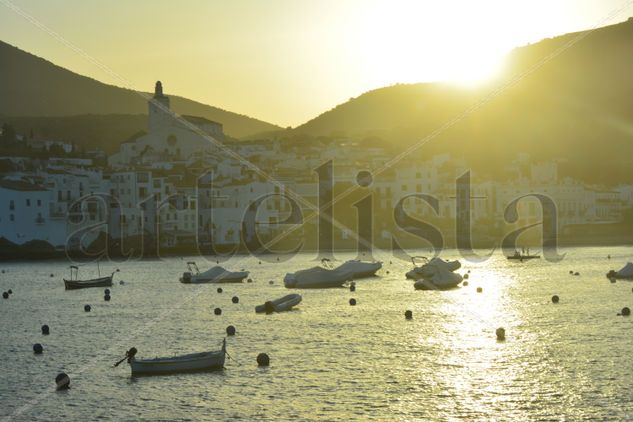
(194, 362)
(74, 283)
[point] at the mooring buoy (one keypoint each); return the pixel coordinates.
(263, 359)
(230, 330)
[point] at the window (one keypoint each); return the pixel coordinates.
(28, 202)
(11, 217)
(11, 205)
(39, 202)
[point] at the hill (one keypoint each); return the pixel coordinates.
(31, 86)
(568, 97)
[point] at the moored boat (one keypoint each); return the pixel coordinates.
(282, 304)
(74, 283)
(360, 269)
(194, 362)
(625, 273)
(216, 274)
(435, 274)
(318, 278)
(521, 256)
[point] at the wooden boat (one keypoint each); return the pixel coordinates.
(279, 305)
(216, 274)
(74, 283)
(194, 362)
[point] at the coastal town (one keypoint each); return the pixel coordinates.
(183, 184)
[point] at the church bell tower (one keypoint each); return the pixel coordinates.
(159, 114)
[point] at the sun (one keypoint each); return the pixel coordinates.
(413, 42)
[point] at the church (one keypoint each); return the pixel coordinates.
(170, 137)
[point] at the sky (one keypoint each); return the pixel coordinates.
(287, 61)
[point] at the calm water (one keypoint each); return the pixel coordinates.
(329, 360)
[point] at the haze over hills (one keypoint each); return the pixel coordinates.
(571, 97)
(576, 105)
(31, 86)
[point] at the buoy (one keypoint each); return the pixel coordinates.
(479, 290)
(352, 302)
(106, 298)
(106, 291)
(576, 273)
(390, 262)
(555, 299)
(38, 349)
(260, 262)
(571, 272)
(230, 330)
(2, 271)
(250, 280)
(52, 275)
(465, 283)
(269, 308)
(408, 314)
(501, 333)
(10, 291)
(271, 282)
(466, 276)
(219, 290)
(45, 330)
(5, 295)
(87, 308)
(121, 282)
(217, 311)
(387, 271)
(626, 311)
(235, 299)
(352, 287)
(62, 381)
(263, 359)
(468, 271)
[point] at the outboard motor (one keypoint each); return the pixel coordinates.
(186, 277)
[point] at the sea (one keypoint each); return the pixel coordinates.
(571, 360)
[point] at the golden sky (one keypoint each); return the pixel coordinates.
(286, 61)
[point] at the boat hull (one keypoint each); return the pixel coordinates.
(522, 258)
(282, 304)
(83, 284)
(194, 280)
(197, 362)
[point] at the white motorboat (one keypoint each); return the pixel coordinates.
(436, 274)
(625, 273)
(195, 362)
(216, 274)
(282, 304)
(360, 269)
(318, 277)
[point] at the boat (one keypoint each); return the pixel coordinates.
(74, 283)
(216, 274)
(279, 305)
(360, 269)
(194, 362)
(435, 274)
(522, 257)
(625, 273)
(318, 277)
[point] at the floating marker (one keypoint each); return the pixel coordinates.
(479, 290)
(219, 290)
(263, 359)
(230, 330)
(10, 291)
(352, 302)
(235, 299)
(408, 314)
(106, 298)
(271, 282)
(106, 291)
(555, 299)
(217, 311)
(465, 283)
(626, 311)
(45, 330)
(501, 333)
(62, 381)
(87, 308)
(38, 349)
(5, 295)
(352, 287)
